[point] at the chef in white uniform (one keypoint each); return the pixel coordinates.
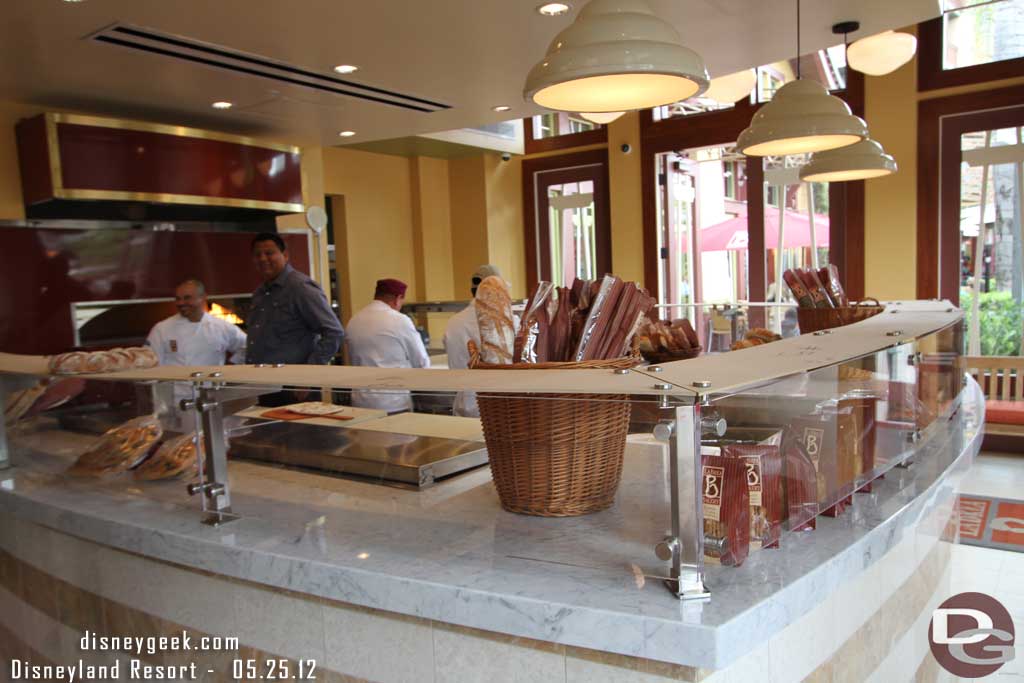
(193, 336)
(380, 336)
(461, 328)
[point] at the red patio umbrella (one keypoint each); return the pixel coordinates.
(731, 235)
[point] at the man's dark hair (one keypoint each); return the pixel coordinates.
(268, 237)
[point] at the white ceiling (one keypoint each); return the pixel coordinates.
(471, 55)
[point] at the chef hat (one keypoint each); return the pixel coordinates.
(390, 287)
(484, 272)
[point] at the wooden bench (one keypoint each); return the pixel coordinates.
(1002, 380)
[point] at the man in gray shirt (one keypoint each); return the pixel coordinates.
(290, 320)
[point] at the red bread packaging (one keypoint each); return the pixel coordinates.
(799, 290)
(801, 487)
(818, 438)
(726, 510)
(829, 277)
(764, 486)
(814, 287)
(863, 407)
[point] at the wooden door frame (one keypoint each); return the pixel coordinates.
(940, 123)
(602, 208)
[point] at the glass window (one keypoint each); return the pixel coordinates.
(797, 217)
(827, 66)
(980, 32)
(554, 124)
(572, 231)
(991, 244)
(697, 214)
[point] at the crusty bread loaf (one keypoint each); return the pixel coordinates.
(494, 316)
(174, 458)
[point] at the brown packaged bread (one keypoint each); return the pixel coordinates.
(764, 484)
(497, 326)
(726, 501)
(815, 288)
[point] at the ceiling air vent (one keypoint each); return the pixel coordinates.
(197, 52)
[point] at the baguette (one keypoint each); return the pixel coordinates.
(494, 316)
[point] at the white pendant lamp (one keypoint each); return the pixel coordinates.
(881, 53)
(801, 118)
(601, 117)
(733, 87)
(860, 161)
(616, 56)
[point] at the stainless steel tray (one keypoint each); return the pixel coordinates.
(373, 456)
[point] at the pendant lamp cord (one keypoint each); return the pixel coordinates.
(798, 40)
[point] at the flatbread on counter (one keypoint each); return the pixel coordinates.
(315, 408)
(119, 448)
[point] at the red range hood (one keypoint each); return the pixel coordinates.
(67, 157)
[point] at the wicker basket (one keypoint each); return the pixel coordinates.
(555, 455)
(815, 319)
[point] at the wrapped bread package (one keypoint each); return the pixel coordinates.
(175, 458)
(815, 288)
(764, 485)
(798, 289)
(817, 434)
(829, 276)
(801, 487)
(494, 316)
(120, 448)
(726, 503)
(864, 408)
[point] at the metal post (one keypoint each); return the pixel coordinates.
(810, 220)
(685, 547)
(974, 333)
(215, 464)
(5, 457)
(778, 257)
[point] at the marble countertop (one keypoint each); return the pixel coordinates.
(451, 554)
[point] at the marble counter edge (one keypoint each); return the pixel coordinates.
(710, 646)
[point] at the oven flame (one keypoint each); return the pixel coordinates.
(218, 311)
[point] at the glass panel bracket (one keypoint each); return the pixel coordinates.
(681, 428)
(213, 483)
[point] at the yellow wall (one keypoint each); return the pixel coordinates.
(625, 198)
(890, 204)
(378, 222)
(468, 196)
(505, 241)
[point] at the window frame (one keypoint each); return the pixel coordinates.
(532, 145)
(931, 75)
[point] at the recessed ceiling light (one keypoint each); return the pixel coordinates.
(222, 105)
(501, 107)
(553, 9)
(73, 0)
(347, 133)
(346, 68)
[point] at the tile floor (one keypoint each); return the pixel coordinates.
(999, 573)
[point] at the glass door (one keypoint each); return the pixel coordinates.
(991, 244)
(574, 234)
